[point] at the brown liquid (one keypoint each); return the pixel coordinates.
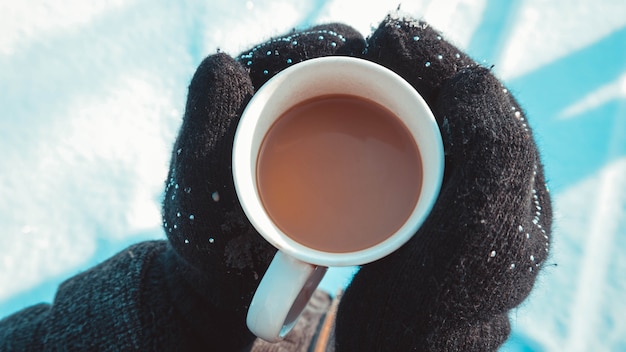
(339, 173)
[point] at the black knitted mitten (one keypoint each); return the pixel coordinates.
(217, 254)
(476, 257)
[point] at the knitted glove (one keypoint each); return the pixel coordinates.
(477, 255)
(218, 258)
(450, 287)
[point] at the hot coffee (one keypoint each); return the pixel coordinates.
(339, 173)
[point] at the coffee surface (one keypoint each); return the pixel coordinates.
(339, 173)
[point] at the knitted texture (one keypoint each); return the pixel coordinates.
(266, 59)
(479, 251)
(97, 309)
(178, 316)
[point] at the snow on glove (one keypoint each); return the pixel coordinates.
(217, 253)
(478, 253)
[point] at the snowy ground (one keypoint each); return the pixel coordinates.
(92, 93)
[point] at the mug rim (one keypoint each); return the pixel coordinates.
(296, 81)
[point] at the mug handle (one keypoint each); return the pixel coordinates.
(282, 295)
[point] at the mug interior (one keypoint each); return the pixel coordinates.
(324, 76)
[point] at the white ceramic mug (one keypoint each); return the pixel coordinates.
(296, 269)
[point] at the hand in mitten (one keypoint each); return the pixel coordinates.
(217, 257)
(477, 255)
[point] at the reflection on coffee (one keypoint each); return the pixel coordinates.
(339, 173)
